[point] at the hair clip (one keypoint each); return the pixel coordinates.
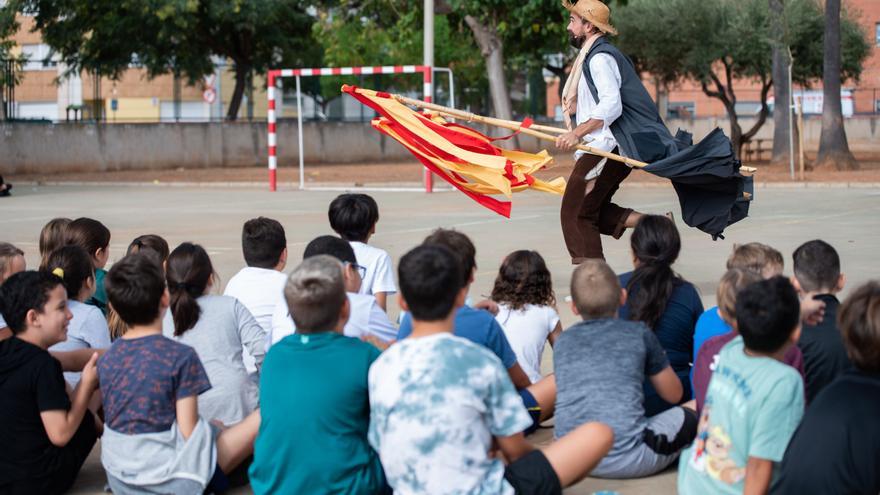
(58, 272)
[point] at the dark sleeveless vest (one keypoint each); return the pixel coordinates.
(639, 131)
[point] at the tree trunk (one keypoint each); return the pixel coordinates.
(781, 89)
(493, 51)
(662, 93)
(241, 73)
(833, 146)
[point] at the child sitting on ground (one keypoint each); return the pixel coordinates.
(52, 237)
(317, 378)
(754, 402)
(217, 327)
(439, 403)
(754, 257)
(147, 244)
(836, 449)
(475, 325)
(260, 285)
(354, 218)
(817, 276)
(732, 283)
(366, 319)
(94, 237)
(88, 328)
(526, 308)
(154, 440)
(11, 262)
(601, 364)
(46, 437)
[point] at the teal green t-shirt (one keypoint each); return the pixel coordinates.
(315, 413)
(99, 300)
(753, 406)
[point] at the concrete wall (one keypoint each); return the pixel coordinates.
(48, 148)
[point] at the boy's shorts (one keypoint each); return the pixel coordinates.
(532, 474)
(533, 408)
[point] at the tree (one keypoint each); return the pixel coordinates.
(389, 32)
(782, 151)
(720, 42)
(180, 37)
(833, 146)
(9, 64)
(502, 29)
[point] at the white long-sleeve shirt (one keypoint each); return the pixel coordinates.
(606, 77)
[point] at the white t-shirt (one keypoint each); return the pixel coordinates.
(527, 329)
(435, 404)
(606, 77)
(87, 330)
(260, 290)
(366, 317)
(380, 272)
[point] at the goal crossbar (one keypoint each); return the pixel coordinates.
(272, 94)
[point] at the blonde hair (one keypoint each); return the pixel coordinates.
(732, 282)
(595, 289)
(7, 253)
(756, 257)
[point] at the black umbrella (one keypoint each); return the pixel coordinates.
(711, 190)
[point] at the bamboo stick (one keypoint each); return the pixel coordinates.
(534, 130)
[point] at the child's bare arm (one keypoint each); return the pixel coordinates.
(75, 360)
(382, 300)
(667, 385)
(519, 377)
(514, 446)
(61, 425)
(758, 474)
(555, 334)
(187, 414)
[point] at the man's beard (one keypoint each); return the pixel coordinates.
(576, 41)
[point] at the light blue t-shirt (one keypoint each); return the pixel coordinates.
(436, 402)
(753, 406)
(478, 326)
(709, 325)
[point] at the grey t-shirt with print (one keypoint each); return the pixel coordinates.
(601, 366)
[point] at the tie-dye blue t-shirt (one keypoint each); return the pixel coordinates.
(435, 403)
(142, 379)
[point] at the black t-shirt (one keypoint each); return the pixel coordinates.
(825, 356)
(836, 449)
(31, 381)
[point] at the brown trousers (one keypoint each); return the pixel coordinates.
(585, 217)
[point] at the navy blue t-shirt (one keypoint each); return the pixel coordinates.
(142, 379)
(675, 331)
(478, 326)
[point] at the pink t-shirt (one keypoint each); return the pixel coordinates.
(708, 355)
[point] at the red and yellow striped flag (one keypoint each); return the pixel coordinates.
(461, 156)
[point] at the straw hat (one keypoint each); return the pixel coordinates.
(594, 11)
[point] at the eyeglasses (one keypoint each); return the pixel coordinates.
(362, 270)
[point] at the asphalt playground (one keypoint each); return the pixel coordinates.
(784, 217)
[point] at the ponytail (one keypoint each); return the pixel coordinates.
(188, 273)
(73, 265)
(655, 244)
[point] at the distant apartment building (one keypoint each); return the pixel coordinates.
(47, 93)
(688, 100)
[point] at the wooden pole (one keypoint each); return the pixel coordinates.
(800, 124)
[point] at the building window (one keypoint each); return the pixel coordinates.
(39, 57)
(877, 34)
(747, 108)
(681, 110)
(876, 106)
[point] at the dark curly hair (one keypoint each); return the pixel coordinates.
(524, 279)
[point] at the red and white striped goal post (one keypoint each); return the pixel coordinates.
(273, 75)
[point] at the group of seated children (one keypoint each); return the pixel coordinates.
(305, 384)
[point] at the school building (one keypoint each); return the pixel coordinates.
(47, 93)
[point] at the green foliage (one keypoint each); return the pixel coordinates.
(389, 32)
(178, 36)
(698, 39)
